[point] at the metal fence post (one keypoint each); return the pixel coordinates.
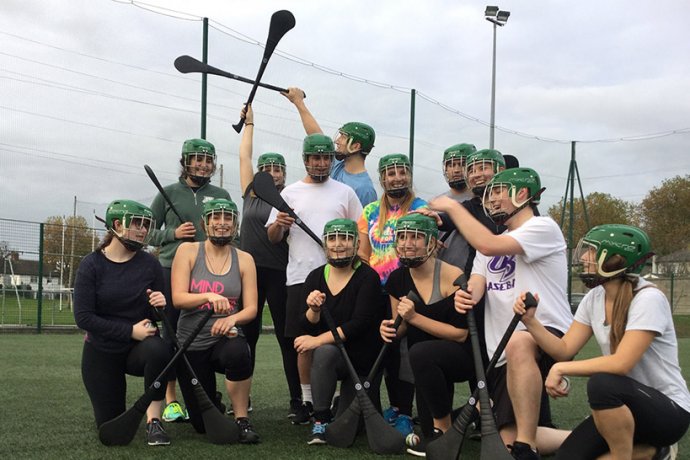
(39, 293)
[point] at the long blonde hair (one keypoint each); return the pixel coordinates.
(385, 205)
(622, 301)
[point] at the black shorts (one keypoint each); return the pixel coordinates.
(498, 389)
(294, 308)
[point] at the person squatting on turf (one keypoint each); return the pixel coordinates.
(639, 400)
(439, 351)
(353, 142)
(188, 195)
(316, 199)
(115, 288)
(270, 259)
(377, 248)
(529, 256)
(214, 275)
(350, 290)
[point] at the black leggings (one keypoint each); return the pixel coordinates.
(437, 365)
(172, 313)
(229, 356)
(658, 420)
(328, 366)
(104, 374)
(272, 289)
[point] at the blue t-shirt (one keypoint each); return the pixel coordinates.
(361, 182)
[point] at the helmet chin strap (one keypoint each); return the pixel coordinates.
(200, 180)
(458, 185)
(397, 192)
(479, 191)
(220, 240)
(129, 245)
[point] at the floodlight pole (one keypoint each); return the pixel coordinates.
(497, 18)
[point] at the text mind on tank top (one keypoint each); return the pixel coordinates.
(228, 285)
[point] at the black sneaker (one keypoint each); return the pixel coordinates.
(303, 414)
(523, 451)
(247, 433)
(155, 434)
(318, 434)
(417, 447)
(295, 405)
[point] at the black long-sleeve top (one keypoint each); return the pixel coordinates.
(357, 309)
(110, 297)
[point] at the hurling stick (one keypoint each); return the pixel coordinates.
(448, 446)
(163, 193)
(343, 430)
(281, 22)
(121, 430)
(266, 190)
(187, 64)
(219, 428)
(383, 438)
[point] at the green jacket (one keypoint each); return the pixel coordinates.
(190, 206)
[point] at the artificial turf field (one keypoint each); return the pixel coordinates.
(46, 412)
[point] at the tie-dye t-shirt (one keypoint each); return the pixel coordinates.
(383, 257)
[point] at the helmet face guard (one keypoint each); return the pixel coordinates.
(454, 159)
(317, 154)
(353, 133)
(274, 164)
(593, 256)
(136, 222)
(415, 239)
(340, 242)
(508, 184)
(395, 175)
(221, 221)
(198, 160)
(480, 167)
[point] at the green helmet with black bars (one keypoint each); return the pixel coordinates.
(318, 144)
(335, 228)
(453, 153)
(222, 233)
(361, 133)
(417, 224)
(192, 148)
(127, 212)
(601, 243)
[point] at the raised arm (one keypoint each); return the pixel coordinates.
(296, 96)
(246, 147)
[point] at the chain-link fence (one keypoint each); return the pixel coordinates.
(40, 261)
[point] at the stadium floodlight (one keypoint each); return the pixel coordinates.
(497, 18)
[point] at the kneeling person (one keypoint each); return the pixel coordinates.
(350, 291)
(213, 275)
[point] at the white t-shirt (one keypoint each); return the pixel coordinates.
(649, 311)
(542, 269)
(315, 204)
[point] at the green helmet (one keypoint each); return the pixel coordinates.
(228, 230)
(605, 241)
(191, 148)
(317, 144)
(333, 229)
(270, 158)
(361, 133)
(514, 180)
(128, 212)
(457, 152)
(490, 156)
(395, 160)
(417, 224)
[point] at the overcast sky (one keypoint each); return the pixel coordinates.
(88, 92)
